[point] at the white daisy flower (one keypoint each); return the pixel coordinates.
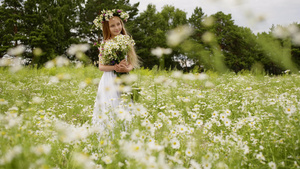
(175, 143)
(188, 152)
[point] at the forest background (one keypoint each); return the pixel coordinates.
(54, 25)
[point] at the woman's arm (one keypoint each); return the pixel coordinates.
(106, 68)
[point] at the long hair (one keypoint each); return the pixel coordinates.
(133, 59)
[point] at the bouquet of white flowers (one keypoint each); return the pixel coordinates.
(115, 50)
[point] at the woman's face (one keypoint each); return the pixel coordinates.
(115, 26)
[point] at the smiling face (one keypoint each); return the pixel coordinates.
(115, 26)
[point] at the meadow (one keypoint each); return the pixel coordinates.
(179, 120)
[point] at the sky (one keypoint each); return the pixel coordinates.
(258, 15)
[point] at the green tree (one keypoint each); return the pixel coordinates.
(195, 49)
(241, 49)
(51, 26)
(11, 12)
(235, 46)
(295, 51)
(148, 35)
(196, 21)
(150, 32)
(172, 18)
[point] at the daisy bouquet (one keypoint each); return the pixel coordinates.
(115, 50)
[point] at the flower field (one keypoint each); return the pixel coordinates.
(178, 120)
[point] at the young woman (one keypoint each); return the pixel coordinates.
(108, 95)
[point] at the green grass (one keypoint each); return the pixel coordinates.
(56, 129)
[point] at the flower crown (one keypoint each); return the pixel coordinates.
(107, 14)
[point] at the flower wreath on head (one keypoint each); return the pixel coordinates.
(107, 14)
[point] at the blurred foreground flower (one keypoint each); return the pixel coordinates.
(177, 74)
(107, 160)
(5, 61)
(209, 84)
(160, 51)
(132, 149)
(202, 76)
(78, 50)
(179, 34)
(296, 39)
(189, 76)
(254, 18)
(59, 61)
(78, 64)
(3, 102)
(83, 160)
(292, 31)
(208, 21)
(208, 37)
(37, 52)
(75, 48)
(59, 77)
(37, 100)
(15, 63)
(221, 165)
(41, 149)
(69, 132)
(129, 78)
(10, 155)
(85, 83)
(63, 76)
(160, 79)
(16, 51)
(11, 119)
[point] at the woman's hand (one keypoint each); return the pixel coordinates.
(124, 62)
(121, 68)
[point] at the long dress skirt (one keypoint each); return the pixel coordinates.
(107, 99)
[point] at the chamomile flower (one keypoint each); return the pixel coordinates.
(158, 125)
(122, 114)
(181, 128)
(190, 130)
(139, 110)
(290, 110)
(223, 116)
(272, 165)
(175, 113)
(106, 159)
(199, 123)
(188, 152)
(227, 112)
(227, 122)
(194, 116)
(208, 157)
(174, 132)
(175, 143)
(260, 156)
(215, 114)
(206, 165)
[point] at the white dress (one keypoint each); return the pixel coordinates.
(107, 99)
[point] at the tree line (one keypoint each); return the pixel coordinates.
(53, 25)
